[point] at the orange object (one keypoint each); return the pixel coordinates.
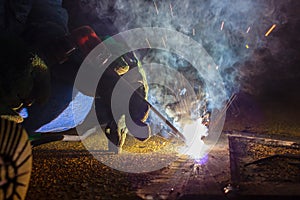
(85, 39)
(270, 30)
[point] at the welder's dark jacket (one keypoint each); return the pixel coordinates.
(136, 104)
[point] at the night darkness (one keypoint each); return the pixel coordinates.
(255, 46)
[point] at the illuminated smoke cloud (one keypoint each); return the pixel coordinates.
(231, 31)
(222, 27)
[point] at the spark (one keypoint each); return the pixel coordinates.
(270, 30)
(248, 29)
(164, 42)
(182, 92)
(194, 32)
(155, 7)
(171, 8)
(247, 46)
(222, 25)
(105, 61)
(148, 43)
(217, 67)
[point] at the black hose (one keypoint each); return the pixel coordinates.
(46, 139)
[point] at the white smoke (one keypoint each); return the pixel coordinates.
(244, 24)
(230, 30)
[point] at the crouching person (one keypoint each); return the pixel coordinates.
(121, 100)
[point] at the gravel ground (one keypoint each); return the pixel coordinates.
(79, 176)
(75, 174)
(65, 170)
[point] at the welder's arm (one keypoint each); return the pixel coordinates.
(138, 106)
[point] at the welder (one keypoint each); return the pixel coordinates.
(43, 27)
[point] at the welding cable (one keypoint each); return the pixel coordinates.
(42, 138)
